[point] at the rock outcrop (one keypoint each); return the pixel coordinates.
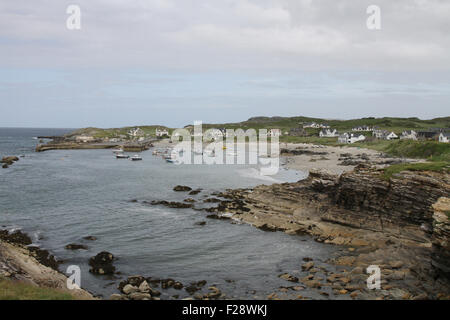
(102, 263)
(441, 236)
(339, 208)
(76, 246)
(182, 188)
(392, 223)
(32, 265)
(7, 161)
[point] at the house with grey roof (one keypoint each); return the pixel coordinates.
(444, 137)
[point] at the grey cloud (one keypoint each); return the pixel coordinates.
(213, 34)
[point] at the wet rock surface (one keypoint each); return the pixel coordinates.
(441, 236)
(148, 288)
(170, 204)
(9, 160)
(75, 246)
(102, 264)
(388, 223)
(41, 255)
(182, 188)
(384, 222)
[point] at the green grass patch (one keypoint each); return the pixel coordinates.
(426, 166)
(313, 139)
(15, 290)
(430, 150)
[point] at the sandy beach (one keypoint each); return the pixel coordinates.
(311, 157)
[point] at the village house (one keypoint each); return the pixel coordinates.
(444, 137)
(136, 132)
(274, 133)
(315, 125)
(84, 138)
(385, 135)
(214, 134)
(161, 133)
(427, 135)
(409, 134)
(390, 136)
(350, 138)
(328, 133)
(378, 133)
(362, 128)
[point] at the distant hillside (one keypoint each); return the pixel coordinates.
(113, 132)
(286, 123)
(387, 123)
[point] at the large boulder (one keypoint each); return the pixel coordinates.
(182, 188)
(128, 289)
(102, 263)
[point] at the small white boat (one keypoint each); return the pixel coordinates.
(169, 159)
(136, 157)
(117, 150)
(122, 156)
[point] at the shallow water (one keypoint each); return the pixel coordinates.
(61, 196)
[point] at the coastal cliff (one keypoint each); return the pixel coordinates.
(399, 223)
(441, 235)
(363, 199)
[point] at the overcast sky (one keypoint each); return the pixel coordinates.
(175, 61)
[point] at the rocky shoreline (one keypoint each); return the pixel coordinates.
(333, 159)
(21, 262)
(400, 225)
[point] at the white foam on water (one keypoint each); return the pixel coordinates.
(256, 174)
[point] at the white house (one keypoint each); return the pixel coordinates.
(316, 125)
(444, 137)
(383, 134)
(84, 138)
(329, 133)
(391, 136)
(214, 134)
(409, 134)
(136, 132)
(350, 138)
(161, 133)
(362, 128)
(274, 133)
(378, 133)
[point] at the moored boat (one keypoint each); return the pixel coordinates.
(136, 157)
(122, 156)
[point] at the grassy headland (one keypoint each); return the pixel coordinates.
(14, 290)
